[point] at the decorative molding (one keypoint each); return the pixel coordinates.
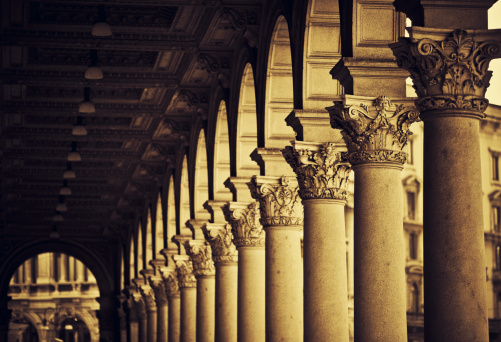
(450, 69)
(280, 204)
(170, 278)
(221, 241)
(322, 169)
(200, 253)
(375, 130)
(245, 226)
(158, 286)
(186, 278)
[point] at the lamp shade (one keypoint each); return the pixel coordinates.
(62, 207)
(79, 130)
(93, 73)
(69, 174)
(87, 107)
(65, 191)
(57, 218)
(101, 29)
(74, 157)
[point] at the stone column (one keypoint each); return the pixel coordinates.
(141, 316)
(188, 289)
(449, 69)
(225, 256)
(375, 131)
(132, 318)
(203, 268)
(151, 312)
(249, 239)
(157, 284)
(174, 299)
(322, 172)
(282, 218)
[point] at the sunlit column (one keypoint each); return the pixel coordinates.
(449, 69)
(322, 173)
(141, 316)
(188, 289)
(282, 219)
(225, 256)
(132, 316)
(375, 131)
(169, 276)
(157, 284)
(151, 312)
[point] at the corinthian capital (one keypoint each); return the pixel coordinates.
(322, 169)
(245, 226)
(449, 68)
(374, 129)
(279, 200)
(201, 257)
(158, 287)
(185, 274)
(148, 297)
(170, 278)
(221, 241)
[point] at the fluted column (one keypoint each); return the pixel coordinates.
(375, 131)
(151, 312)
(249, 239)
(225, 256)
(188, 288)
(449, 69)
(203, 268)
(322, 172)
(282, 218)
(157, 284)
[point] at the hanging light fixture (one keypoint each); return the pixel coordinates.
(74, 156)
(57, 217)
(69, 173)
(54, 234)
(61, 206)
(101, 28)
(65, 190)
(87, 106)
(79, 129)
(93, 72)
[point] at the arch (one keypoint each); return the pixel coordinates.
(132, 261)
(246, 127)
(140, 250)
(201, 178)
(279, 88)
(149, 252)
(159, 228)
(171, 214)
(221, 155)
(184, 199)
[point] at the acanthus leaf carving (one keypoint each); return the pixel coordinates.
(200, 253)
(158, 287)
(221, 241)
(374, 131)
(246, 228)
(322, 170)
(279, 201)
(186, 278)
(451, 67)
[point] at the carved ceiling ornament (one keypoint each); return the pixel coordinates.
(200, 253)
(245, 224)
(186, 278)
(322, 169)
(375, 130)
(221, 241)
(450, 69)
(158, 287)
(280, 204)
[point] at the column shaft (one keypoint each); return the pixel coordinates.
(142, 329)
(325, 274)
(251, 290)
(379, 254)
(188, 314)
(174, 318)
(134, 332)
(454, 257)
(226, 301)
(284, 284)
(206, 288)
(162, 319)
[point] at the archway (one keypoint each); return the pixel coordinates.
(221, 156)
(201, 178)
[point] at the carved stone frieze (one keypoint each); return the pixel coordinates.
(201, 256)
(186, 278)
(280, 204)
(375, 130)
(158, 286)
(221, 240)
(246, 227)
(322, 169)
(449, 68)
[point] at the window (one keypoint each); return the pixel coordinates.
(495, 167)
(413, 245)
(496, 213)
(411, 205)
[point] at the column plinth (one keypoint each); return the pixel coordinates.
(375, 131)
(282, 218)
(249, 239)
(225, 257)
(322, 173)
(203, 268)
(188, 289)
(450, 74)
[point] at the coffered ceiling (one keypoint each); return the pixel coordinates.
(158, 69)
